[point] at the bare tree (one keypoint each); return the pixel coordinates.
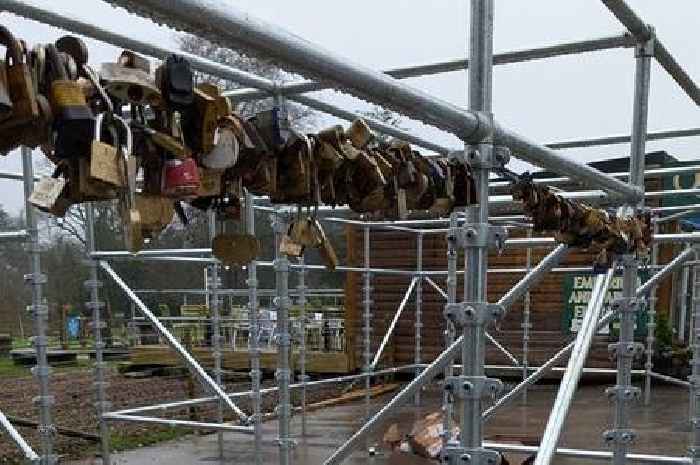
(301, 116)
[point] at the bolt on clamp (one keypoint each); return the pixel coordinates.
(472, 387)
(619, 436)
(473, 313)
(454, 455)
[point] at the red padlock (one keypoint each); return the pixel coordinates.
(181, 178)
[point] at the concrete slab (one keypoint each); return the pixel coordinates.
(662, 429)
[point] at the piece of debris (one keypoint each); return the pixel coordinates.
(392, 437)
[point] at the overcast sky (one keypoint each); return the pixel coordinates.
(557, 99)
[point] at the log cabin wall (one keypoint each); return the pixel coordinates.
(390, 249)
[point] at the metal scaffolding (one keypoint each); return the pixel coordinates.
(471, 230)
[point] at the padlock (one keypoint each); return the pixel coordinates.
(129, 80)
(5, 100)
(225, 152)
(235, 249)
(326, 249)
(273, 126)
(106, 164)
(75, 47)
(131, 218)
(175, 80)
(209, 183)
(181, 178)
(155, 213)
(359, 134)
(19, 82)
(200, 121)
(73, 119)
(51, 193)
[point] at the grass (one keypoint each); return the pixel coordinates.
(121, 441)
(9, 370)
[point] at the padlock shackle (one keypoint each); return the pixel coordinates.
(14, 51)
(56, 63)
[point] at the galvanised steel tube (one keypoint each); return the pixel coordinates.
(642, 291)
(235, 395)
(694, 392)
(19, 441)
(670, 379)
(216, 338)
(191, 363)
(227, 25)
(451, 297)
(282, 303)
(612, 140)
(93, 284)
(392, 324)
(572, 375)
(643, 32)
(683, 313)
(526, 325)
(490, 338)
(545, 265)
(419, 309)
(292, 89)
(542, 156)
(201, 64)
(591, 454)
(653, 172)
(367, 319)
(179, 423)
(651, 321)
(301, 301)
(40, 313)
(20, 235)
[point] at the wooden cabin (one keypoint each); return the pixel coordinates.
(555, 301)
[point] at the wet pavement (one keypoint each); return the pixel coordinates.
(662, 429)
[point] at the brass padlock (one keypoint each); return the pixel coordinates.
(5, 100)
(106, 164)
(73, 119)
(19, 82)
(235, 249)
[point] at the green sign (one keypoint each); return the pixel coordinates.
(577, 294)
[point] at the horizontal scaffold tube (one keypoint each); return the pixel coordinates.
(516, 56)
(231, 27)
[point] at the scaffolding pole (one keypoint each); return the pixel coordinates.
(301, 301)
(526, 325)
(572, 375)
(651, 321)
(40, 312)
(194, 366)
(254, 338)
(694, 391)
(19, 441)
(93, 285)
(419, 310)
(367, 322)
(216, 339)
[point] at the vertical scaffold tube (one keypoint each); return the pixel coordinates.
(93, 285)
(40, 312)
(419, 311)
(214, 312)
(367, 321)
(254, 337)
(449, 327)
(301, 301)
(651, 322)
(621, 436)
(282, 304)
(694, 394)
